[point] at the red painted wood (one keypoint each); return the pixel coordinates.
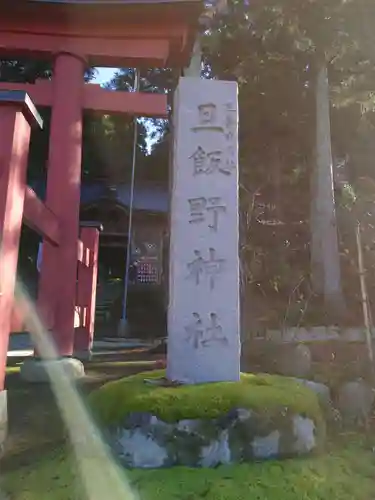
(14, 146)
(41, 92)
(117, 25)
(99, 51)
(131, 103)
(98, 99)
(83, 12)
(40, 218)
(17, 323)
(86, 292)
(83, 254)
(84, 257)
(57, 288)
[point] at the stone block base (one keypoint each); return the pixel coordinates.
(144, 441)
(36, 370)
(3, 419)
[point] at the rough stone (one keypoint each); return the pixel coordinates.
(204, 308)
(333, 332)
(302, 334)
(295, 361)
(3, 419)
(190, 426)
(290, 334)
(355, 401)
(304, 432)
(352, 335)
(217, 452)
(138, 419)
(318, 333)
(243, 414)
(274, 336)
(36, 371)
(266, 447)
(140, 450)
(206, 443)
(321, 390)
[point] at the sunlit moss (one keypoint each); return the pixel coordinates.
(263, 393)
(345, 473)
(11, 370)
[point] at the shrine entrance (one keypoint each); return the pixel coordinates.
(74, 36)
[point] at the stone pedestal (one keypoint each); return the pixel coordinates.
(203, 313)
(3, 419)
(38, 371)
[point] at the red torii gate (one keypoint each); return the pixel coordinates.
(150, 33)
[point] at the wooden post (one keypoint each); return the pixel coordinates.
(58, 277)
(17, 114)
(325, 256)
(365, 303)
(86, 291)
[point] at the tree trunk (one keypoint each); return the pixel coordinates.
(325, 258)
(195, 67)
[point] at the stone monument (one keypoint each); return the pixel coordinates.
(204, 305)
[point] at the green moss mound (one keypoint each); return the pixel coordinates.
(266, 394)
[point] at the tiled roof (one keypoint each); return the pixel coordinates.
(149, 198)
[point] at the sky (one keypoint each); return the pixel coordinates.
(104, 75)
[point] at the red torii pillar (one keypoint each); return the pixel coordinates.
(17, 114)
(58, 277)
(86, 290)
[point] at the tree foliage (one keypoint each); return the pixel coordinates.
(272, 48)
